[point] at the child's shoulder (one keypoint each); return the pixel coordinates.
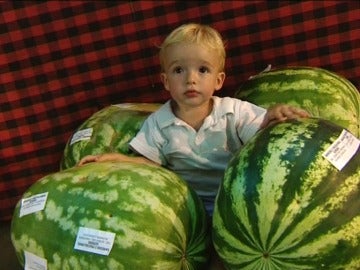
(226, 102)
(234, 105)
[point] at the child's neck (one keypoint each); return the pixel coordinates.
(193, 116)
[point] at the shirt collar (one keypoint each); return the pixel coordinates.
(221, 107)
(166, 115)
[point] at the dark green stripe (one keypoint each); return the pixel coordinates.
(232, 222)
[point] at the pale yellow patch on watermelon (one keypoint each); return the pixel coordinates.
(123, 181)
(74, 263)
(62, 187)
(26, 243)
(173, 265)
(349, 186)
(109, 196)
(90, 223)
(56, 261)
(168, 212)
(128, 237)
(55, 213)
(353, 265)
(114, 264)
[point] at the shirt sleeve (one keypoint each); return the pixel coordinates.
(148, 141)
(249, 119)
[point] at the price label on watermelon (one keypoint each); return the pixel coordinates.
(33, 204)
(342, 149)
(94, 241)
(33, 262)
(81, 135)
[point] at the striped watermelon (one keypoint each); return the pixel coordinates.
(322, 93)
(108, 130)
(282, 205)
(158, 221)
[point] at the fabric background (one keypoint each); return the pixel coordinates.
(61, 61)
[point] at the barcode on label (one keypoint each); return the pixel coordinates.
(94, 241)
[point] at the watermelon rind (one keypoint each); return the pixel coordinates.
(159, 222)
(110, 130)
(282, 205)
(323, 93)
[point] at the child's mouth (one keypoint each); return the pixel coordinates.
(191, 93)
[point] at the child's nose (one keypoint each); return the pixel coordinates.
(191, 77)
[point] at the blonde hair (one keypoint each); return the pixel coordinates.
(195, 34)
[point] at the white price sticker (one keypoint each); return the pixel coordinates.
(33, 204)
(81, 135)
(33, 262)
(94, 241)
(342, 149)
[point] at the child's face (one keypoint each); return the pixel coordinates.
(191, 74)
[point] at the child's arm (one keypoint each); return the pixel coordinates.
(114, 157)
(282, 112)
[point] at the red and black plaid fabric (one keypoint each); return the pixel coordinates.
(61, 61)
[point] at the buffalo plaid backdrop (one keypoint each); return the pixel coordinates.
(61, 61)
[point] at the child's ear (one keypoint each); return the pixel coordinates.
(220, 80)
(165, 81)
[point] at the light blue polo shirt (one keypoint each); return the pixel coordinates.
(200, 157)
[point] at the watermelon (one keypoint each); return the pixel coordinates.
(322, 93)
(108, 130)
(283, 205)
(155, 219)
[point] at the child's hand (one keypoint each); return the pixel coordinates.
(282, 112)
(102, 157)
(114, 157)
(87, 159)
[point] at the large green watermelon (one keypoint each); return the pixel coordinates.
(322, 93)
(282, 205)
(108, 130)
(158, 221)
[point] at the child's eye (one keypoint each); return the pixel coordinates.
(177, 70)
(203, 69)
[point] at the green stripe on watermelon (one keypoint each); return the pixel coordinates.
(112, 129)
(159, 222)
(283, 206)
(322, 93)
